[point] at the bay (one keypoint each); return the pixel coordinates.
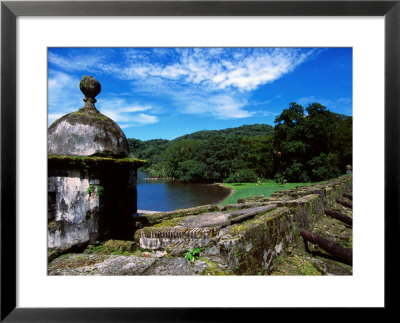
(168, 195)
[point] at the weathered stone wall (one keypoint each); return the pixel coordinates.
(328, 191)
(91, 203)
(73, 213)
(252, 247)
(247, 237)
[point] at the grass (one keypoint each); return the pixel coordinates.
(244, 190)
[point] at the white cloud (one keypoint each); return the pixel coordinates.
(126, 114)
(59, 81)
(213, 68)
(76, 63)
(143, 119)
(134, 109)
(64, 95)
(138, 121)
(218, 106)
(218, 68)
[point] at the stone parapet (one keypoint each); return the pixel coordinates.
(246, 237)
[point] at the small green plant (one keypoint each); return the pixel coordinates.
(193, 254)
(117, 252)
(100, 190)
(280, 179)
(90, 189)
(348, 243)
(94, 249)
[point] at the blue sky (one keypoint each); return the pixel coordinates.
(168, 92)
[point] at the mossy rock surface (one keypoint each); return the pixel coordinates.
(113, 247)
(86, 164)
(297, 263)
(99, 265)
(152, 219)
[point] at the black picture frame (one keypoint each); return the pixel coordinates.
(10, 10)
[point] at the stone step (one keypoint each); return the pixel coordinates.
(194, 231)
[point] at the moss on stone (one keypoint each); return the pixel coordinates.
(113, 247)
(71, 261)
(97, 116)
(261, 219)
(52, 254)
(169, 223)
(86, 164)
(51, 225)
(295, 264)
(260, 240)
(153, 219)
(214, 269)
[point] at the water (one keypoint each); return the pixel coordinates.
(168, 195)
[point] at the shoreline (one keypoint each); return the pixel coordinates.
(231, 190)
(147, 212)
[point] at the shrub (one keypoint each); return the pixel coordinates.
(296, 173)
(246, 175)
(324, 167)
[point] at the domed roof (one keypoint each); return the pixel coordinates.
(87, 132)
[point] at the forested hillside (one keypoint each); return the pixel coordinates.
(209, 155)
(305, 145)
(256, 130)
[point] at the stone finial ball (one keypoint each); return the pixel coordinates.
(90, 87)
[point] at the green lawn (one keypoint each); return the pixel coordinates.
(245, 190)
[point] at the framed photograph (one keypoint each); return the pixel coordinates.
(36, 43)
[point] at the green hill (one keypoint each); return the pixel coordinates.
(256, 130)
(149, 149)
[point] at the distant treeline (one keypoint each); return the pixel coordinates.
(305, 145)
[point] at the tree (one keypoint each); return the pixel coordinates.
(314, 144)
(177, 153)
(191, 171)
(290, 147)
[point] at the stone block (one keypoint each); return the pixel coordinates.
(249, 248)
(308, 210)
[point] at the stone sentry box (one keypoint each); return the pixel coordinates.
(91, 177)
